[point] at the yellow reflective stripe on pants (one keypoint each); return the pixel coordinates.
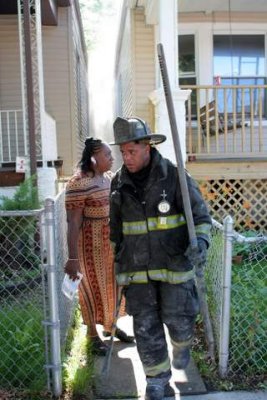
(181, 345)
(126, 278)
(163, 275)
(157, 369)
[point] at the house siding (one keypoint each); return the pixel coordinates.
(125, 73)
(57, 75)
(80, 71)
(136, 70)
(10, 86)
(61, 50)
(144, 67)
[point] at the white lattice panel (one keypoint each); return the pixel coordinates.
(244, 200)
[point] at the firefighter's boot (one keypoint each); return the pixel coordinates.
(169, 391)
(181, 357)
(156, 386)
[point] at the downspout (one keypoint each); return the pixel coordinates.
(29, 81)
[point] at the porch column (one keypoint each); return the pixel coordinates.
(162, 124)
(167, 34)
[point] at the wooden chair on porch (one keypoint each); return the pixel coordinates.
(209, 117)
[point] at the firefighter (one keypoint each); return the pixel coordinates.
(153, 260)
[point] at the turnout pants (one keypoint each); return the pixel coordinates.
(156, 303)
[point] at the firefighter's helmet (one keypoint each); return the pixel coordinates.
(134, 129)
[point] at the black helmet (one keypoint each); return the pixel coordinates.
(132, 129)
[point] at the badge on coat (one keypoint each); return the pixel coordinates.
(163, 207)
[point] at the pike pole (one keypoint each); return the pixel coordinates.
(107, 359)
(186, 202)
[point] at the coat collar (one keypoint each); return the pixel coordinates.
(158, 171)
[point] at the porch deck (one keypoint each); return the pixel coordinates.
(234, 132)
(248, 142)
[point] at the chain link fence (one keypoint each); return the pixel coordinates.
(214, 279)
(236, 282)
(248, 345)
(35, 316)
(22, 343)
(66, 307)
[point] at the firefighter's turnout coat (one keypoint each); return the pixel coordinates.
(150, 240)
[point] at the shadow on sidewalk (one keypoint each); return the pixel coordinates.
(121, 381)
(126, 377)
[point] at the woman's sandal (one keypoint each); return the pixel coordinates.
(98, 347)
(121, 335)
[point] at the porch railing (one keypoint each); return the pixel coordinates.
(228, 121)
(13, 140)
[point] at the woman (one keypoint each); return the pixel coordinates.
(87, 205)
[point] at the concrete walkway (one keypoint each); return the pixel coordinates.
(240, 395)
(126, 379)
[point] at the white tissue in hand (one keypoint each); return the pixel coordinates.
(70, 287)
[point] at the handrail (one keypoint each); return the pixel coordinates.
(226, 120)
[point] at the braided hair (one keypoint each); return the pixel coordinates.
(92, 146)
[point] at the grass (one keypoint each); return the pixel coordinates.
(78, 363)
(209, 371)
(247, 352)
(22, 356)
(249, 317)
(22, 346)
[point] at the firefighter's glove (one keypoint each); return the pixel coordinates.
(197, 256)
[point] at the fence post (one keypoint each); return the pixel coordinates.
(54, 323)
(226, 296)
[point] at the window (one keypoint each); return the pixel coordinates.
(187, 64)
(239, 55)
(239, 60)
(186, 45)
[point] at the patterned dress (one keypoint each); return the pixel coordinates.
(97, 291)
